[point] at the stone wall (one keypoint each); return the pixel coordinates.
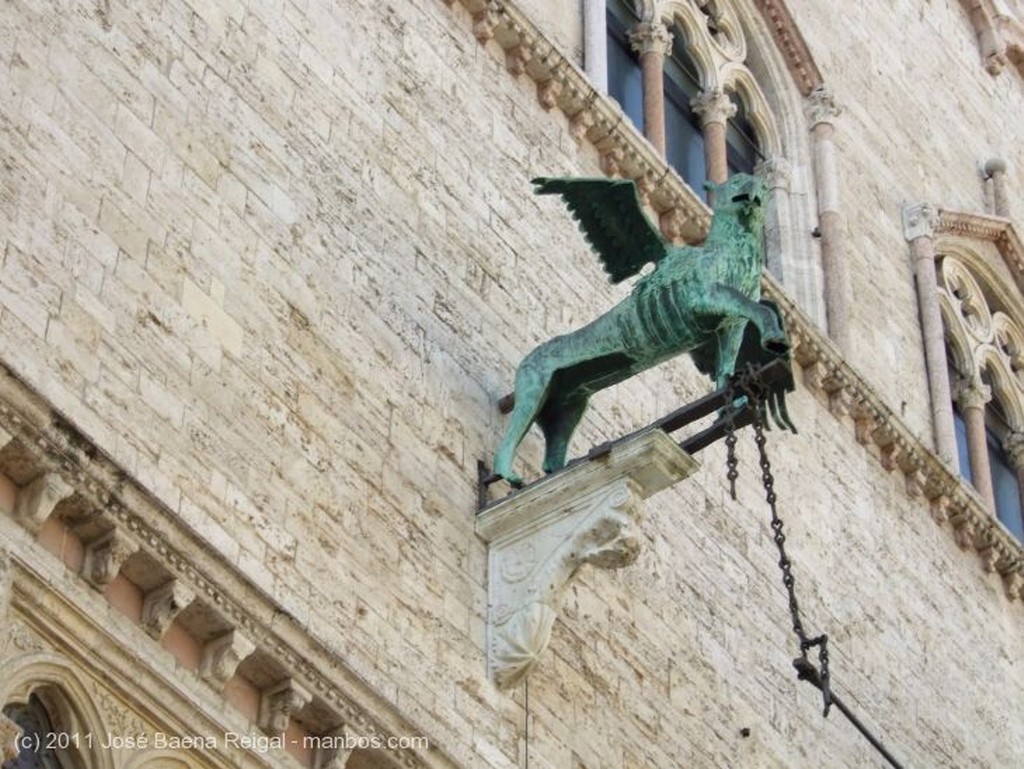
(279, 260)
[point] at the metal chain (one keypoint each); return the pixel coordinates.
(731, 462)
(803, 665)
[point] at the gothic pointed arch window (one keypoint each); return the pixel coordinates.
(49, 746)
(985, 358)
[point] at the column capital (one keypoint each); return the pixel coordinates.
(972, 393)
(777, 172)
(994, 167)
(1013, 445)
(713, 106)
(822, 106)
(919, 221)
(651, 37)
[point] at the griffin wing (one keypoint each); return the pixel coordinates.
(612, 220)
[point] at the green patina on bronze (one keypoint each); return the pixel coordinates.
(698, 299)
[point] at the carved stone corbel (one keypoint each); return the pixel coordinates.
(548, 92)
(222, 656)
(540, 537)
(104, 557)
(484, 23)
(162, 604)
(333, 752)
(279, 703)
(36, 500)
(516, 59)
(9, 734)
(1013, 582)
(579, 124)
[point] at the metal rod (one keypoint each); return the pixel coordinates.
(807, 672)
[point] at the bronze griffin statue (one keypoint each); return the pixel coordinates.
(697, 299)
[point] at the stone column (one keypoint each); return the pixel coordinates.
(595, 43)
(714, 109)
(653, 41)
(822, 111)
(972, 396)
(777, 173)
(995, 171)
(919, 223)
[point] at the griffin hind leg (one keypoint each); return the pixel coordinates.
(559, 421)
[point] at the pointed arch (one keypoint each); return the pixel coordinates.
(63, 691)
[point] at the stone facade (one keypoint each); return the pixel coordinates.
(268, 267)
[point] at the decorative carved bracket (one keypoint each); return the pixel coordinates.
(162, 604)
(104, 557)
(222, 656)
(279, 703)
(36, 501)
(540, 537)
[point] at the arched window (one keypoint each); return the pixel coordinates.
(983, 344)
(41, 752)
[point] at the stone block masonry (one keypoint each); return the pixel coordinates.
(278, 260)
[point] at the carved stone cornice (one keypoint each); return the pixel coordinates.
(919, 221)
(822, 106)
(713, 106)
(48, 443)
(651, 37)
(994, 229)
(791, 43)
(540, 537)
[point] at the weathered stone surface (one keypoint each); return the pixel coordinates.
(269, 257)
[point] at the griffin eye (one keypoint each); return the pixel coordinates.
(741, 197)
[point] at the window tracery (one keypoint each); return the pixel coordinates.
(985, 352)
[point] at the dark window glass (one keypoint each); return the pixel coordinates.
(742, 151)
(1004, 484)
(960, 429)
(625, 79)
(684, 140)
(36, 723)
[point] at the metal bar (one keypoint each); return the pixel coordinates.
(807, 672)
(705, 438)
